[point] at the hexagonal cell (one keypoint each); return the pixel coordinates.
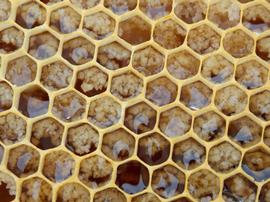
(30, 15)
(2, 152)
(244, 131)
(153, 149)
(47, 133)
(191, 11)
(169, 34)
(256, 18)
(58, 166)
(120, 6)
(23, 160)
(256, 164)
(118, 145)
(224, 157)
(12, 128)
(182, 65)
(217, 69)
(188, 154)
(134, 30)
(56, 75)
(262, 48)
(251, 74)
(7, 187)
(73, 192)
(11, 39)
(245, 1)
(209, 126)
(5, 9)
(196, 95)
(126, 86)
(182, 199)
(78, 50)
(85, 4)
(265, 191)
(204, 185)
(174, 122)
(65, 20)
(82, 139)
(34, 101)
(134, 183)
(203, 39)
(238, 43)
(156, 9)
(260, 105)
(109, 194)
(98, 25)
(225, 14)
(69, 106)
(266, 136)
(238, 187)
(36, 189)
(104, 112)
(50, 2)
(113, 56)
(161, 91)
(231, 100)
(91, 81)
(146, 197)
(21, 70)
(6, 96)
(95, 171)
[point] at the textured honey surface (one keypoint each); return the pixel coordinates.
(134, 100)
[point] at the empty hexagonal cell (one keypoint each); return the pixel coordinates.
(30, 15)
(6, 96)
(191, 11)
(140, 118)
(47, 133)
(58, 166)
(260, 105)
(134, 183)
(120, 6)
(256, 18)
(146, 197)
(245, 131)
(36, 189)
(262, 48)
(56, 75)
(238, 43)
(204, 185)
(156, 9)
(224, 157)
(5, 9)
(182, 65)
(21, 70)
(265, 191)
(126, 86)
(91, 81)
(174, 122)
(196, 95)
(134, 30)
(109, 194)
(78, 51)
(50, 2)
(23, 160)
(7, 187)
(12, 128)
(217, 69)
(153, 149)
(104, 112)
(148, 61)
(113, 56)
(238, 187)
(82, 139)
(266, 136)
(169, 34)
(95, 171)
(161, 91)
(251, 74)
(11, 39)
(72, 192)
(34, 101)
(224, 14)
(98, 25)
(231, 100)
(85, 4)
(118, 145)
(209, 126)
(188, 154)
(69, 106)
(203, 39)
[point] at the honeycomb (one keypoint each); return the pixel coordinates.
(134, 100)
